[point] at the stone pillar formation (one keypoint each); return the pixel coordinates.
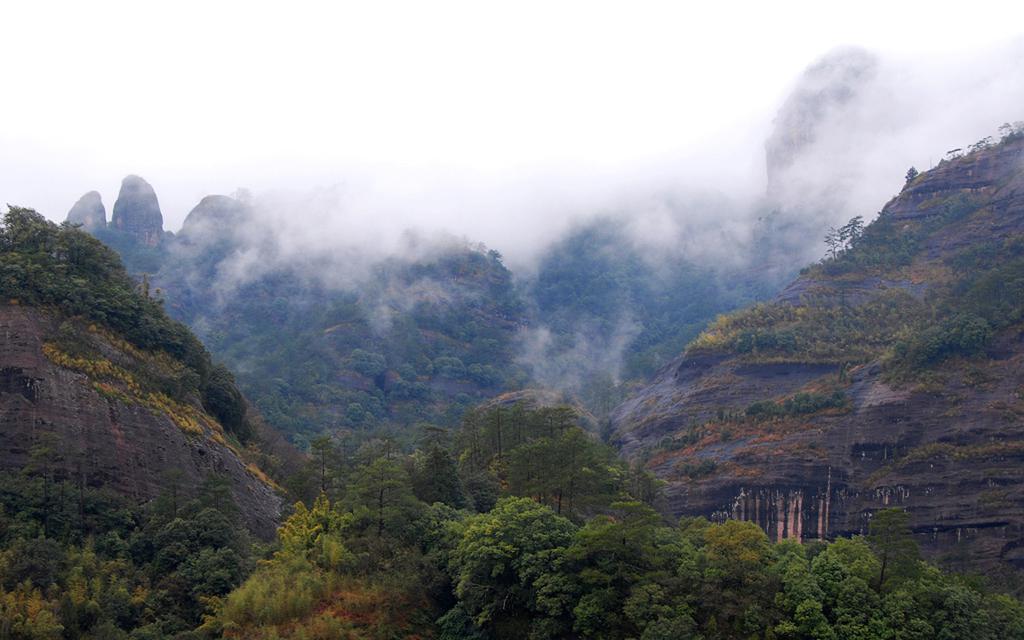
(137, 212)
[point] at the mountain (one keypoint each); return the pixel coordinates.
(417, 342)
(818, 104)
(89, 212)
(518, 524)
(100, 389)
(327, 342)
(608, 312)
(330, 339)
(137, 212)
(889, 374)
(335, 340)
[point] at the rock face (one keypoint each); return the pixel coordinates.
(949, 450)
(102, 437)
(214, 214)
(137, 211)
(89, 212)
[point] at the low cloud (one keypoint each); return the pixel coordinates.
(569, 367)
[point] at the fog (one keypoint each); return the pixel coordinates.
(504, 126)
(842, 141)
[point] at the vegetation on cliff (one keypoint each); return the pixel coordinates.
(341, 341)
(66, 270)
(886, 374)
(80, 562)
(886, 291)
(409, 340)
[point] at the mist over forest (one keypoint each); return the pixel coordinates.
(462, 321)
(606, 276)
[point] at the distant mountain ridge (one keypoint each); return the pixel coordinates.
(405, 341)
(333, 341)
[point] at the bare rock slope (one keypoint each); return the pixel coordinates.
(96, 427)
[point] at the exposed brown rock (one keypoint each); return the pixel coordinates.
(102, 440)
(950, 452)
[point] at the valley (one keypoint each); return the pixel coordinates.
(570, 324)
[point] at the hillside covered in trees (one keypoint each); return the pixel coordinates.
(510, 520)
(133, 477)
(357, 342)
(519, 524)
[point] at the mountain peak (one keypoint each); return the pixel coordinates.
(214, 213)
(89, 212)
(820, 101)
(137, 211)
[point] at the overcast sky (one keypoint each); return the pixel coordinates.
(462, 104)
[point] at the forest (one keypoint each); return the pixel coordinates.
(518, 524)
(505, 519)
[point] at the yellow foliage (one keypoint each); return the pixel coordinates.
(24, 613)
(817, 331)
(258, 473)
(117, 383)
(128, 390)
(92, 367)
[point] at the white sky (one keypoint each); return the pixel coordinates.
(484, 99)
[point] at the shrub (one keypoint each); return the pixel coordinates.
(963, 334)
(800, 404)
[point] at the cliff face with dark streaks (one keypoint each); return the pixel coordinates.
(100, 389)
(892, 375)
(99, 432)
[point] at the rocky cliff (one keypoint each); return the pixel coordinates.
(137, 211)
(101, 429)
(89, 212)
(216, 215)
(99, 387)
(889, 375)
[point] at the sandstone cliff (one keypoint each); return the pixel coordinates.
(99, 387)
(862, 385)
(137, 211)
(101, 429)
(89, 212)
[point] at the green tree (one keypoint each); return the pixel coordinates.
(435, 474)
(499, 560)
(625, 567)
(892, 541)
(801, 598)
(382, 502)
(323, 455)
(737, 588)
